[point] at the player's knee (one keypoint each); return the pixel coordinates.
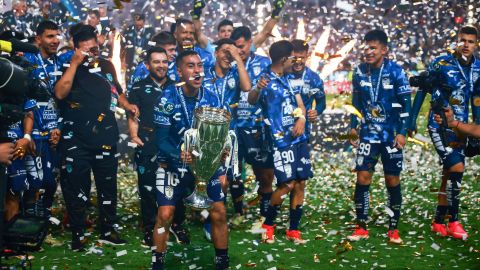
(165, 215)
(364, 178)
(218, 214)
(392, 180)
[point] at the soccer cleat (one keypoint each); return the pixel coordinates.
(394, 237)
(78, 243)
(456, 230)
(147, 241)
(295, 236)
(358, 234)
(268, 236)
(440, 229)
(207, 230)
(112, 238)
(181, 234)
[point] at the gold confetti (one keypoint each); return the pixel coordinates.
(100, 117)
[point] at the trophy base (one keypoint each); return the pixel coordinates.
(198, 201)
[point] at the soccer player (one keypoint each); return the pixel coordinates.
(45, 131)
(229, 81)
(173, 115)
(382, 94)
(307, 83)
(144, 94)
(285, 114)
(251, 131)
(137, 37)
(454, 77)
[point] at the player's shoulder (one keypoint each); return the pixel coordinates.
(262, 59)
(312, 74)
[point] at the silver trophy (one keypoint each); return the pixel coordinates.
(207, 141)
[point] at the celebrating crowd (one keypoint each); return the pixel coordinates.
(69, 130)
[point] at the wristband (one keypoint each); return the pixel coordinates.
(28, 137)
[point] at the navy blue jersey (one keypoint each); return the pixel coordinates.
(250, 115)
(227, 89)
(278, 102)
(310, 87)
(175, 112)
(45, 113)
(383, 100)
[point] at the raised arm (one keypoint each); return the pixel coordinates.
(64, 85)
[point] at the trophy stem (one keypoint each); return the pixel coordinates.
(198, 200)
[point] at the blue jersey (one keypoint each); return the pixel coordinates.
(455, 85)
(175, 112)
(227, 89)
(15, 130)
(310, 87)
(278, 102)
(250, 115)
(45, 113)
(383, 98)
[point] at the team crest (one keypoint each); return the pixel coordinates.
(231, 82)
(169, 192)
(360, 160)
(256, 70)
(385, 81)
(110, 77)
(141, 169)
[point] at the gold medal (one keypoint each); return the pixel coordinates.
(375, 112)
(476, 101)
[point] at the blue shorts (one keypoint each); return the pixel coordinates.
(292, 163)
(368, 153)
(171, 187)
(254, 147)
(450, 157)
(17, 177)
(41, 169)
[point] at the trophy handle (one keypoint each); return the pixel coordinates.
(232, 144)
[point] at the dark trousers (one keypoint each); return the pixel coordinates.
(77, 165)
(146, 171)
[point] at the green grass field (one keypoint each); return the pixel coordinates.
(328, 219)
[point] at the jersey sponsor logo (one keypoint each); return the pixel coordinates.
(360, 160)
(110, 77)
(452, 73)
(161, 120)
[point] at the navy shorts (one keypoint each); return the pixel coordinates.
(254, 147)
(17, 177)
(368, 153)
(171, 187)
(41, 169)
(448, 156)
(292, 163)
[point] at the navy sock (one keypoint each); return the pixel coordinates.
(453, 194)
(295, 216)
(395, 204)
(158, 260)
(440, 214)
(362, 203)
(221, 252)
(271, 214)
(265, 202)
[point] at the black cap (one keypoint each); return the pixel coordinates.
(139, 17)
